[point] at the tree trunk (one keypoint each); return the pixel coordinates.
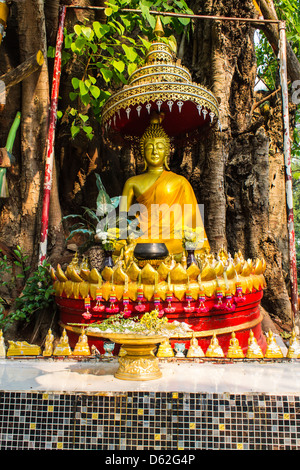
(242, 168)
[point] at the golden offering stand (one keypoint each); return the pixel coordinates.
(139, 362)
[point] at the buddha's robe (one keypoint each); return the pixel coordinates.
(166, 208)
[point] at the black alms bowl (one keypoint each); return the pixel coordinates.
(150, 251)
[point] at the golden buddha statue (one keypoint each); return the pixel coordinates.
(214, 349)
(49, 344)
(294, 347)
(2, 345)
(165, 349)
(254, 350)
(234, 349)
(166, 202)
(63, 348)
(195, 349)
(273, 350)
(82, 346)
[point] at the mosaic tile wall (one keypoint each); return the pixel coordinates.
(148, 420)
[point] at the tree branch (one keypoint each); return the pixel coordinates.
(23, 70)
(271, 31)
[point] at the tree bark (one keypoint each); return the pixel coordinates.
(241, 182)
(32, 64)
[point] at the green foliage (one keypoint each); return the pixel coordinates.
(109, 52)
(36, 293)
(90, 221)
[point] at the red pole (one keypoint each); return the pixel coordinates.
(51, 137)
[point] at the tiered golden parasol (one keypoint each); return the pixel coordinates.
(162, 85)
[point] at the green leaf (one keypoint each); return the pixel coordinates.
(119, 65)
(77, 29)
(83, 117)
(87, 32)
(108, 11)
(73, 95)
(83, 88)
(95, 91)
(100, 29)
(106, 74)
(75, 82)
(74, 130)
(129, 52)
(131, 68)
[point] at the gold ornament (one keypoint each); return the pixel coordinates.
(2, 345)
(82, 347)
(22, 348)
(165, 349)
(254, 350)
(195, 349)
(49, 344)
(294, 347)
(234, 349)
(273, 350)
(214, 349)
(63, 348)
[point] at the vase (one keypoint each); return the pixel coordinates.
(108, 261)
(190, 257)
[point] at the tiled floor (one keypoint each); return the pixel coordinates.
(70, 405)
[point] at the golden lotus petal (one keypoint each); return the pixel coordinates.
(73, 275)
(162, 289)
(208, 273)
(68, 288)
(60, 274)
(94, 277)
(148, 274)
(133, 271)
(52, 274)
(119, 275)
(219, 269)
(107, 273)
(132, 291)
(178, 275)
(258, 268)
(84, 289)
(179, 291)
(249, 281)
(119, 290)
(84, 274)
(209, 287)
(194, 289)
(246, 271)
(148, 291)
(193, 271)
(222, 285)
(232, 286)
(106, 289)
(76, 291)
(93, 288)
(230, 271)
(59, 288)
(163, 271)
(238, 267)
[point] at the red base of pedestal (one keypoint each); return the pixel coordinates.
(244, 318)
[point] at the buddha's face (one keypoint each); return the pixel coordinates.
(155, 151)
